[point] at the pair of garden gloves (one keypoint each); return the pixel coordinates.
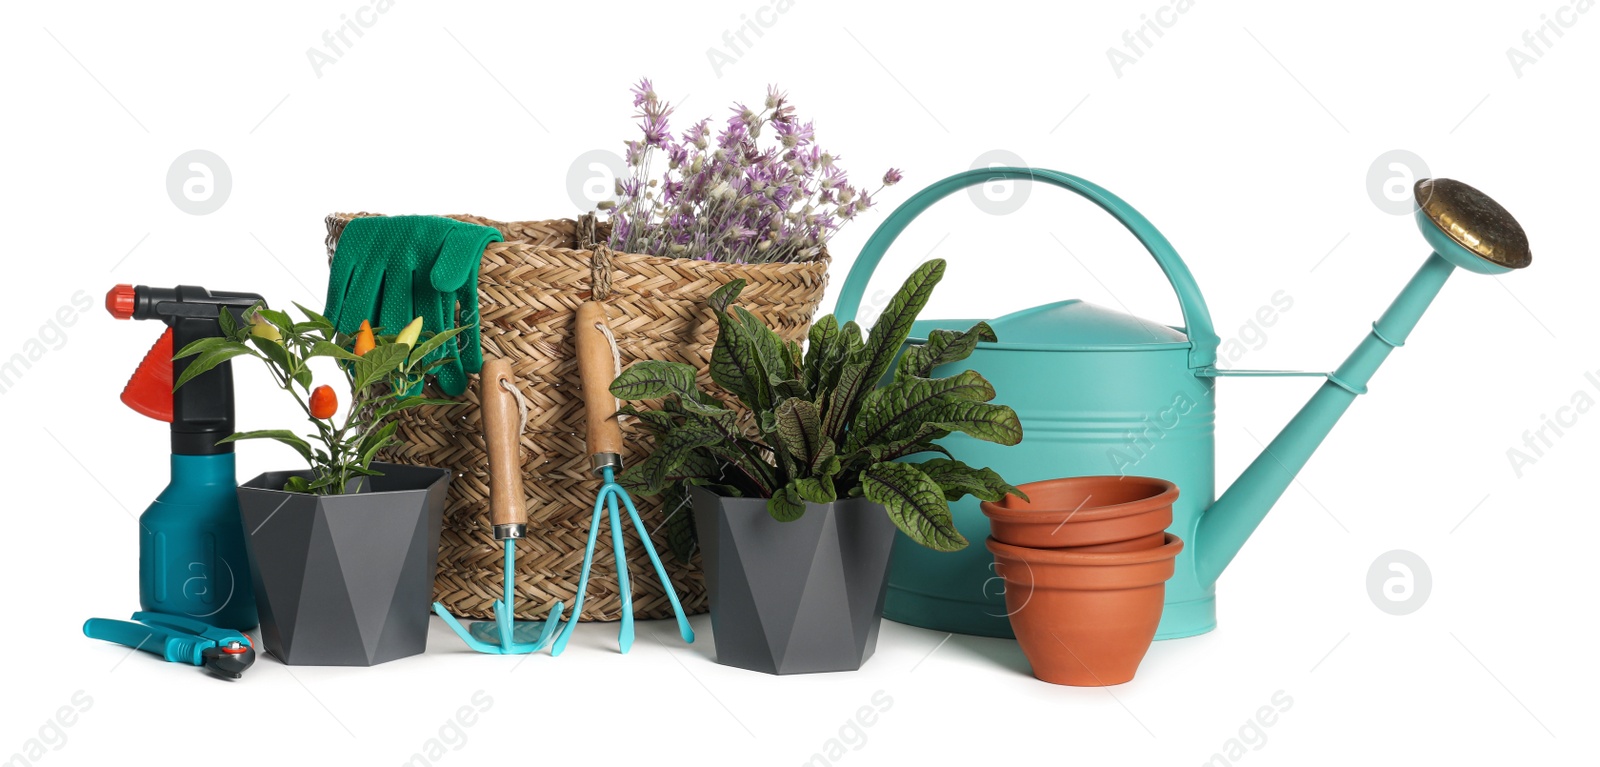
(391, 269)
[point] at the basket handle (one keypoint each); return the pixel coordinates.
(1196, 317)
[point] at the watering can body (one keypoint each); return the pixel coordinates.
(1100, 392)
(1105, 399)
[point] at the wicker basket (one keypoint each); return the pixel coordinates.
(528, 288)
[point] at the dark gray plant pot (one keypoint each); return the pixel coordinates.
(794, 597)
(345, 580)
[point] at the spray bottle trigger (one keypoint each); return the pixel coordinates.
(149, 391)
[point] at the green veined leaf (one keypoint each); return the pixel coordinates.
(673, 450)
(799, 429)
(820, 343)
(915, 503)
(898, 410)
(786, 505)
(679, 522)
(653, 421)
(281, 435)
(655, 379)
(815, 489)
(736, 363)
(958, 480)
(842, 399)
(893, 327)
(943, 347)
(920, 442)
(208, 360)
(724, 296)
(981, 420)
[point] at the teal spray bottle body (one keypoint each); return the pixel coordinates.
(192, 556)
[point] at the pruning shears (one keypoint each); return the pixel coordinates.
(225, 653)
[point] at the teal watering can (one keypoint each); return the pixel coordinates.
(1100, 392)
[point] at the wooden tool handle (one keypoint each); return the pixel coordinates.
(597, 368)
(501, 425)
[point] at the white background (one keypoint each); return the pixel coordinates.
(1245, 132)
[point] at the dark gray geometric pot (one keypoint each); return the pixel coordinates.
(345, 580)
(794, 597)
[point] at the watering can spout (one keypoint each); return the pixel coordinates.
(1467, 230)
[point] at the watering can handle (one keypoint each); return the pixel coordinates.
(1197, 319)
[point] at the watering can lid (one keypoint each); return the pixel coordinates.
(1075, 323)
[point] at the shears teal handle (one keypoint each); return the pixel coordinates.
(1196, 317)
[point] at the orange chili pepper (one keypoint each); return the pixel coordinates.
(364, 339)
(324, 402)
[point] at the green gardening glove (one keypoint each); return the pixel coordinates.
(391, 269)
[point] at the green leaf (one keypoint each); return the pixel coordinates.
(774, 354)
(279, 320)
(821, 341)
(981, 420)
(943, 347)
(208, 360)
(318, 321)
(322, 348)
(736, 363)
(920, 442)
(673, 451)
(915, 503)
(958, 480)
(724, 296)
(794, 363)
(815, 489)
(275, 352)
(653, 421)
(303, 378)
(893, 327)
(655, 379)
(372, 443)
(297, 485)
(786, 505)
(227, 323)
(799, 429)
(679, 522)
(200, 345)
(377, 364)
(898, 410)
(426, 347)
(281, 435)
(842, 398)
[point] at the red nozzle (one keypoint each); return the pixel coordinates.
(120, 301)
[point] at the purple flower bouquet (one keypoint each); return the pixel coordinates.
(728, 198)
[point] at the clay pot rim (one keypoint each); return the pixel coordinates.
(1071, 557)
(1163, 499)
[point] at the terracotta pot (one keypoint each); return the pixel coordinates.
(1137, 544)
(1082, 511)
(1085, 618)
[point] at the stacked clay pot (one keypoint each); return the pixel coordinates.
(1086, 562)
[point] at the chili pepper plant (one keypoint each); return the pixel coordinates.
(382, 374)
